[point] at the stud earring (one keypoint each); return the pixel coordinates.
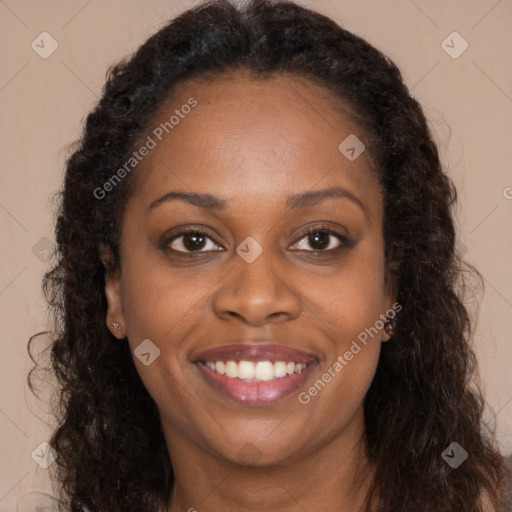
(389, 328)
(116, 326)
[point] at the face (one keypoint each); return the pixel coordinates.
(252, 258)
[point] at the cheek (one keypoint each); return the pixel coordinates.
(159, 304)
(350, 301)
(343, 388)
(157, 309)
(349, 305)
(164, 307)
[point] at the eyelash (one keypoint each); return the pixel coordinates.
(344, 242)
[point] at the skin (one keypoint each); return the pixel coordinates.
(253, 143)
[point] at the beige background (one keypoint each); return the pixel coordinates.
(43, 103)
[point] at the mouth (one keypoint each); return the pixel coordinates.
(255, 374)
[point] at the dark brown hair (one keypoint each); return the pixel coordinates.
(112, 454)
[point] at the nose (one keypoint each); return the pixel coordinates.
(256, 294)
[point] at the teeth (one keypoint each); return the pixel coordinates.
(259, 370)
(264, 370)
(280, 369)
(232, 369)
(246, 370)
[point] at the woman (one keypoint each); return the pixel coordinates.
(256, 283)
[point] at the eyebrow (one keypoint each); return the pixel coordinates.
(298, 201)
(307, 199)
(206, 201)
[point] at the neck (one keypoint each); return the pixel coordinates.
(335, 476)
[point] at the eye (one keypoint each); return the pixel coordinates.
(321, 239)
(193, 240)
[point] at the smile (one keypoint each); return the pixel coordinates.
(256, 371)
(255, 374)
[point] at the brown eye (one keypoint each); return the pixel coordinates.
(193, 241)
(320, 240)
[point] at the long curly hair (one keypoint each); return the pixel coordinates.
(112, 454)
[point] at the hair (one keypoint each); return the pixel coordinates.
(112, 454)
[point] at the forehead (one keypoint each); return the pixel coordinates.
(251, 135)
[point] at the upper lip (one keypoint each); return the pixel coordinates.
(255, 352)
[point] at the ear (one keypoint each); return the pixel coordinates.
(115, 314)
(391, 292)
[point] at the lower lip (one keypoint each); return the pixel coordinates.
(252, 392)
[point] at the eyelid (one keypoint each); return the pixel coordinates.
(167, 240)
(343, 239)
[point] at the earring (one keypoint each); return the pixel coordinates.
(389, 328)
(116, 326)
